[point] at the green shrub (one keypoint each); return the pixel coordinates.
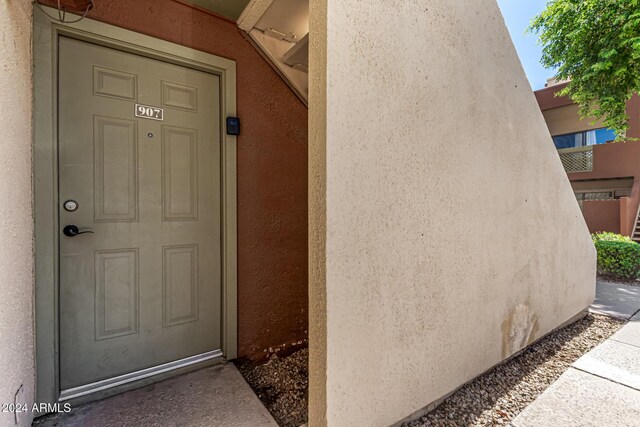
(610, 237)
(618, 259)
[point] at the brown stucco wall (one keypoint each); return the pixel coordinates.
(633, 110)
(561, 114)
(618, 160)
(272, 170)
(615, 160)
(547, 98)
(602, 215)
(566, 119)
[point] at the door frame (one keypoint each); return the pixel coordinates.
(45, 167)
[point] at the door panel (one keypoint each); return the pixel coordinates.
(117, 286)
(115, 169)
(180, 284)
(144, 289)
(179, 174)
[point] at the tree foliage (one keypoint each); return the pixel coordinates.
(596, 44)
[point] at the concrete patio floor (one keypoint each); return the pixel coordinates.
(213, 396)
(602, 388)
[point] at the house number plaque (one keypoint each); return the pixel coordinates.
(147, 112)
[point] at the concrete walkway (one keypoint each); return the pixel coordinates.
(214, 396)
(615, 300)
(602, 388)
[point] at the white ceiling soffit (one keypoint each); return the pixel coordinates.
(290, 17)
(280, 29)
(252, 14)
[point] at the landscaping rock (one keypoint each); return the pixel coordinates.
(281, 384)
(494, 398)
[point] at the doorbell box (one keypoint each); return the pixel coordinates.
(233, 126)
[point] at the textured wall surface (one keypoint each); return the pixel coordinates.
(16, 214)
(272, 170)
(566, 119)
(602, 215)
(452, 237)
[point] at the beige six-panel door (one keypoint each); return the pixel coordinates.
(144, 288)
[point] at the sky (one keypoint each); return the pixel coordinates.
(517, 14)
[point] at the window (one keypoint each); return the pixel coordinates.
(582, 139)
(600, 195)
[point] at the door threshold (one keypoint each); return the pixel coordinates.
(114, 385)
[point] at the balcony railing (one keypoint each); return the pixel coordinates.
(577, 159)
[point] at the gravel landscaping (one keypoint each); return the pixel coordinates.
(493, 399)
(496, 397)
(281, 384)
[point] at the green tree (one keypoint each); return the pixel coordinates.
(596, 44)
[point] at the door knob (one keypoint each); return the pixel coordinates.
(73, 230)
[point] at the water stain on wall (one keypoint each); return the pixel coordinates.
(518, 329)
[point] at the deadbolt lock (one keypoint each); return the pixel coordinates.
(70, 205)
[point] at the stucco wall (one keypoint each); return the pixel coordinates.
(16, 216)
(561, 120)
(449, 236)
(602, 215)
(566, 119)
(272, 170)
(614, 160)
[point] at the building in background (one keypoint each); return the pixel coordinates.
(605, 176)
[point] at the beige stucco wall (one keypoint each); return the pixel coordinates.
(566, 119)
(16, 217)
(444, 234)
